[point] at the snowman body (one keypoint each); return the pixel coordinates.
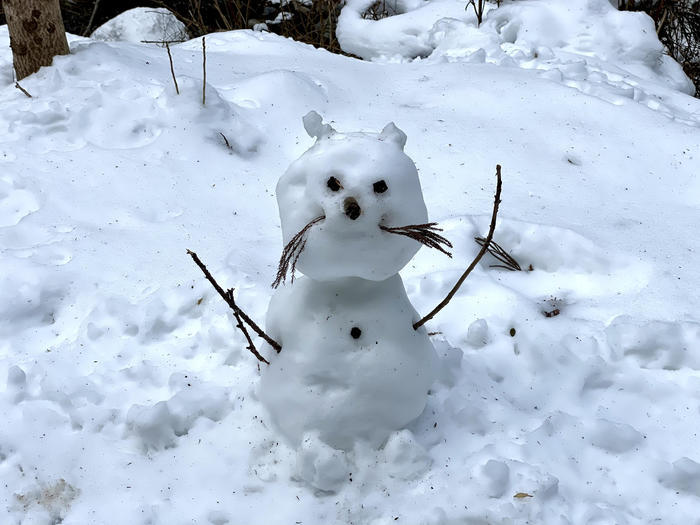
(352, 367)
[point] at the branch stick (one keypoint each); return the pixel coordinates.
(92, 18)
(204, 70)
(242, 328)
(22, 89)
(484, 248)
(162, 42)
(661, 22)
(228, 297)
(172, 69)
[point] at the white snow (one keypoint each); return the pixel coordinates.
(126, 393)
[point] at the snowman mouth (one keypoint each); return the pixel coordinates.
(292, 252)
(425, 234)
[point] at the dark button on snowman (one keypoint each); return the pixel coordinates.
(352, 367)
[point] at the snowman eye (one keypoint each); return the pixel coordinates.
(380, 186)
(355, 332)
(334, 184)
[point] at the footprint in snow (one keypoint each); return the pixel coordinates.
(655, 344)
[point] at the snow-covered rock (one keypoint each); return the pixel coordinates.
(142, 23)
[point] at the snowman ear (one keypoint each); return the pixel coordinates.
(393, 134)
(314, 126)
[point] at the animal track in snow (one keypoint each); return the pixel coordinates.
(655, 344)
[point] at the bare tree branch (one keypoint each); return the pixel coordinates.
(204, 70)
(228, 297)
(86, 32)
(484, 248)
(22, 89)
(495, 249)
(172, 69)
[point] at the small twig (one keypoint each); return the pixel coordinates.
(92, 18)
(172, 68)
(661, 22)
(204, 71)
(228, 297)
(292, 252)
(22, 89)
(492, 228)
(228, 145)
(163, 42)
(424, 234)
(242, 328)
(509, 263)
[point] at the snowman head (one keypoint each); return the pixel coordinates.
(346, 203)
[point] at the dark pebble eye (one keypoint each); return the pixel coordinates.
(380, 186)
(334, 184)
(355, 332)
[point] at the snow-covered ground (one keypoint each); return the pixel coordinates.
(128, 397)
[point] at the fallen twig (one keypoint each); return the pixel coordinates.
(509, 263)
(242, 328)
(228, 144)
(22, 89)
(484, 248)
(228, 297)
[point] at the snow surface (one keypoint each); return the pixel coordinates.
(127, 395)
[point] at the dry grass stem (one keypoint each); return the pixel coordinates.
(228, 144)
(509, 263)
(172, 68)
(424, 234)
(291, 253)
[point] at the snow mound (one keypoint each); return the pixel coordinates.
(160, 425)
(142, 23)
(351, 367)
(585, 44)
(97, 113)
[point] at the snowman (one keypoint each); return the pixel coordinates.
(351, 366)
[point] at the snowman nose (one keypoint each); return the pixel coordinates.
(352, 208)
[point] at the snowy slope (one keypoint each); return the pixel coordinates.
(128, 397)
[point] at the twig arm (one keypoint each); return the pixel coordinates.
(228, 297)
(484, 248)
(244, 330)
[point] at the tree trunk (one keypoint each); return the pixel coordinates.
(36, 33)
